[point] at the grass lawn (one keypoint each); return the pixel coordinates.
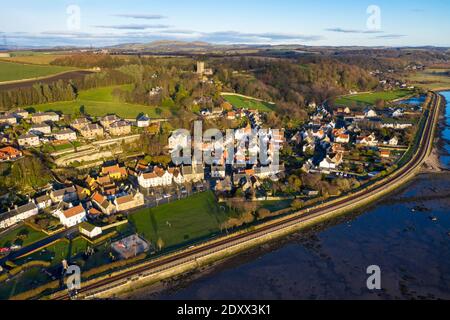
(241, 102)
(182, 221)
(371, 98)
(100, 102)
(276, 205)
(57, 252)
(10, 71)
(32, 236)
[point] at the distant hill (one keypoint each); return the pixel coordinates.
(179, 46)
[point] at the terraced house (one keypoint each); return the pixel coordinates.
(28, 140)
(103, 204)
(92, 131)
(115, 172)
(107, 121)
(40, 128)
(42, 117)
(68, 195)
(18, 214)
(129, 202)
(157, 178)
(80, 123)
(120, 128)
(65, 134)
(8, 118)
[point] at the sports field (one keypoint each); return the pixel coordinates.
(100, 102)
(182, 221)
(243, 102)
(10, 71)
(371, 98)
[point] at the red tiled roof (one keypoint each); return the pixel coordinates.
(124, 199)
(74, 211)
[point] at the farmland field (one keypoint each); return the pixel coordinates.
(243, 102)
(182, 221)
(434, 79)
(100, 102)
(10, 71)
(371, 98)
(39, 59)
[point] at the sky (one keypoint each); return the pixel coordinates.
(306, 22)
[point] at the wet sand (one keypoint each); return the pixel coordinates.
(329, 261)
(407, 234)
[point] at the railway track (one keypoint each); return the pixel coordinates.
(378, 189)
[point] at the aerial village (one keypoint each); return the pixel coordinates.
(352, 144)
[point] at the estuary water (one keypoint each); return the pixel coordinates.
(406, 234)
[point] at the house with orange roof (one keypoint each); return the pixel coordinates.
(115, 172)
(73, 216)
(231, 115)
(9, 154)
(101, 203)
(385, 153)
(343, 138)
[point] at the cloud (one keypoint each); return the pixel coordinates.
(141, 35)
(179, 31)
(342, 30)
(390, 36)
(141, 16)
(134, 26)
(268, 37)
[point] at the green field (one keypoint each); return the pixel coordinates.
(371, 98)
(431, 79)
(100, 102)
(241, 102)
(56, 252)
(24, 235)
(10, 71)
(182, 221)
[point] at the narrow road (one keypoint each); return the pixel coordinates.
(400, 176)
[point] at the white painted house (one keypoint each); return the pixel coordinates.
(73, 216)
(28, 140)
(90, 230)
(393, 141)
(66, 134)
(158, 178)
(143, 121)
(18, 214)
